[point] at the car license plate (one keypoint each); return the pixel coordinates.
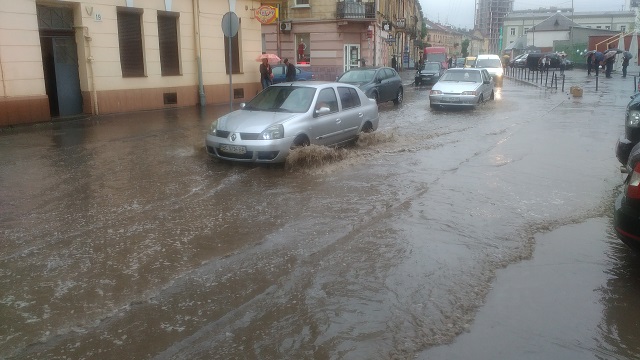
(233, 149)
(451, 99)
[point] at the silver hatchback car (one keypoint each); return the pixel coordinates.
(290, 115)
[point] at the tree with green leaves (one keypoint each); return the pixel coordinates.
(465, 47)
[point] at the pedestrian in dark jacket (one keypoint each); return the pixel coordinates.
(291, 71)
(266, 75)
(589, 62)
(625, 63)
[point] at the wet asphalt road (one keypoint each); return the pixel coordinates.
(123, 239)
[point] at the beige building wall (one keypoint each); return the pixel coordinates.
(23, 97)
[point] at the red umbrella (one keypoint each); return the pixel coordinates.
(272, 58)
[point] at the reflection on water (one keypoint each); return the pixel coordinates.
(621, 299)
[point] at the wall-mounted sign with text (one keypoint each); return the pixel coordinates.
(266, 14)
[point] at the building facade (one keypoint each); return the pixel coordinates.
(330, 37)
(519, 23)
(444, 36)
(62, 58)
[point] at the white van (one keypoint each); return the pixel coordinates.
(493, 64)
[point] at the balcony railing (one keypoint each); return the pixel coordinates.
(355, 10)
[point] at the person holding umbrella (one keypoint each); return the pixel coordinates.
(609, 59)
(590, 60)
(598, 57)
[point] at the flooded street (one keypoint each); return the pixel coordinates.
(122, 238)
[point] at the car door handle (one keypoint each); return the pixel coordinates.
(338, 121)
(360, 114)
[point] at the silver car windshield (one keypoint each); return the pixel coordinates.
(294, 99)
(470, 76)
(357, 76)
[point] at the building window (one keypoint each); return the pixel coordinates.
(303, 53)
(235, 51)
(302, 2)
(608, 27)
(623, 28)
(168, 38)
(526, 30)
(512, 31)
(130, 42)
(598, 27)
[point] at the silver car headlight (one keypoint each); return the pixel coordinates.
(273, 132)
(213, 127)
(435, 92)
(634, 118)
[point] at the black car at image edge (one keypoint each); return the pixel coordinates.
(626, 216)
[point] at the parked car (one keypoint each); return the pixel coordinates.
(460, 62)
(521, 61)
(380, 83)
(626, 216)
(631, 135)
(512, 62)
(463, 88)
(290, 115)
(430, 73)
(280, 74)
(493, 64)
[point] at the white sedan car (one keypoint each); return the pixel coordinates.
(290, 115)
(466, 87)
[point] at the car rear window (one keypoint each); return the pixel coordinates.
(357, 76)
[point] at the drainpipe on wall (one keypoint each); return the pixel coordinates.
(196, 25)
(4, 86)
(94, 94)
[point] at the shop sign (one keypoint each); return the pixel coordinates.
(266, 14)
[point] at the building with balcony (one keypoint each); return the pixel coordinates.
(332, 36)
(66, 58)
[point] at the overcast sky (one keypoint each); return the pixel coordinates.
(460, 13)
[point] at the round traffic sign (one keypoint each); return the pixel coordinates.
(230, 24)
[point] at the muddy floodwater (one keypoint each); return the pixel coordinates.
(122, 239)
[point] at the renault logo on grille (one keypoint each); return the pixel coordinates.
(233, 137)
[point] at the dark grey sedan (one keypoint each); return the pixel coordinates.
(380, 83)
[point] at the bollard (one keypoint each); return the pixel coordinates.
(562, 84)
(597, 82)
(635, 85)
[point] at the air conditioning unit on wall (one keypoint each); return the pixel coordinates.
(285, 26)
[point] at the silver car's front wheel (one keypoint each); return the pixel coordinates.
(300, 141)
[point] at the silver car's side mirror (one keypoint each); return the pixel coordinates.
(242, 105)
(322, 111)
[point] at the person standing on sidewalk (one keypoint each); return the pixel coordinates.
(266, 74)
(563, 64)
(290, 71)
(609, 65)
(625, 63)
(589, 62)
